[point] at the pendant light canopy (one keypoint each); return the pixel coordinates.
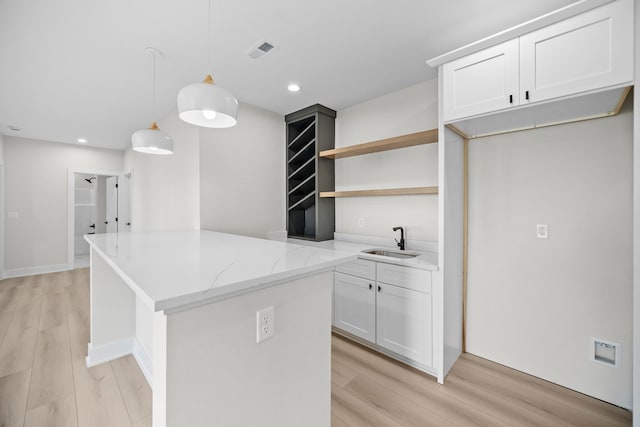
(152, 140)
(206, 104)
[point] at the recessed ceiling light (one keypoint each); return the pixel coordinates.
(293, 87)
(82, 140)
(14, 128)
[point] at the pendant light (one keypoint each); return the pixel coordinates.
(206, 104)
(152, 140)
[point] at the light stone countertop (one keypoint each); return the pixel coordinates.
(425, 260)
(173, 269)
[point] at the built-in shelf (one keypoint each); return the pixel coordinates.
(409, 140)
(309, 131)
(381, 192)
(304, 202)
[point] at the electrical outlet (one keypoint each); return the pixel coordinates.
(542, 231)
(361, 222)
(265, 324)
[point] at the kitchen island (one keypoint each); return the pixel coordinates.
(185, 305)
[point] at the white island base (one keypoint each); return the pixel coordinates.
(202, 359)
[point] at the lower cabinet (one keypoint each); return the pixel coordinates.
(404, 322)
(354, 306)
(390, 307)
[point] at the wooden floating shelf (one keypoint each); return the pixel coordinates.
(383, 192)
(418, 138)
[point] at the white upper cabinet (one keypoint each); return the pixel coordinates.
(481, 82)
(590, 51)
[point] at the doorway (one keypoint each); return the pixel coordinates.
(98, 202)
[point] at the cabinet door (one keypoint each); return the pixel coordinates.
(482, 82)
(590, 51)
(405, 323)
(354, 301)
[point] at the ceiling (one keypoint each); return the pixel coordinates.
(77, 68)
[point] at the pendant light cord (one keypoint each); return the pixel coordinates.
(210, 19)
(153, 85)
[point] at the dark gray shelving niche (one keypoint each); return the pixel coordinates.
(310, 131)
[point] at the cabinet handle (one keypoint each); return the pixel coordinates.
(510, 99)
(370, 286)
(526, 95)
(379, 288)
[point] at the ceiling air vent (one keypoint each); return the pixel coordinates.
(261, 50)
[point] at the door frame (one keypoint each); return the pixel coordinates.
(71, 212)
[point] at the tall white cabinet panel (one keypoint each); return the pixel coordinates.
(590, 51)
(404, 323)
(482, 82)
(354, 302)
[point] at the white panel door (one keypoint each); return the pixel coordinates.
(404, 322)
(482, 82)
(354, 301)
(112, 204)
(124, 203)
(590, 51)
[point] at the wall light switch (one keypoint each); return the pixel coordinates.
(361, 222)
(12, 215)
(542, 231)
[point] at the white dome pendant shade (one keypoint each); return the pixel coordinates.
(205, 104)
(151, 141)
(208, 105)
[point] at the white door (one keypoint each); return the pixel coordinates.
(354, 302)
(404, 323)
(590, 51)
(482, 82)
(124, 203)
(112, 204)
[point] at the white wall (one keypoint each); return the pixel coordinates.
(1, 149)
(533, 304)
(36, 188)
(409, 110)
(242, 174)
(165, 193)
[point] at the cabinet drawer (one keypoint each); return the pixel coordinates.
(359, 268)
(406, 277)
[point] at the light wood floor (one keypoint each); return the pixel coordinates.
(44, 381)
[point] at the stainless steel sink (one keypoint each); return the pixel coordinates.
(389, 253)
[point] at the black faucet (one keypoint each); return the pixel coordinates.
(401, 242)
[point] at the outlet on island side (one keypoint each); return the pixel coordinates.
(265, 324)
(542, 231)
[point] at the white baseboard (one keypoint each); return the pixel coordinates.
(31, 271)
(107, 352)
(97, 355)
(144, 362)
